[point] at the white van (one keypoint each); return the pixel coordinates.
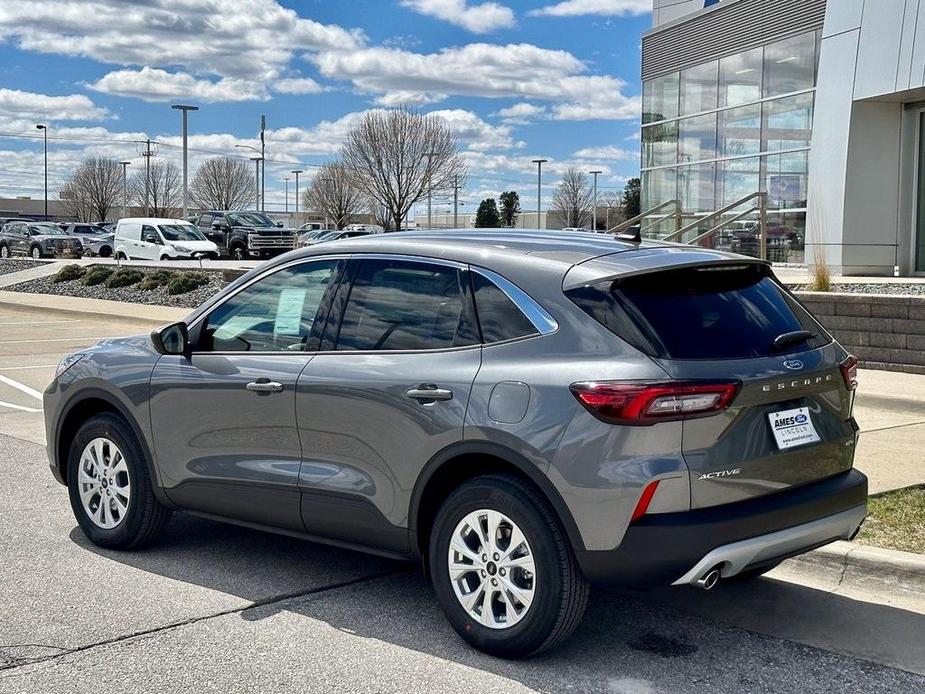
(152, 238)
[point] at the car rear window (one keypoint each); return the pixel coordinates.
(708, 312)
(499, 317)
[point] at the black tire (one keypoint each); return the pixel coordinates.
(561, 591)
(121, 256)
(4, 251)
(238, 253)
(145, 517)
(165, 258)
(105, 252)
(36, 252)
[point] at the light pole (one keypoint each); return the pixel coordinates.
(44, 129)
(594, 206)
(124, 188)
(185, 111)
(263, 158)
(539, 191)
(286, 179)
(326, 181)
(296, 172)
(256, 161)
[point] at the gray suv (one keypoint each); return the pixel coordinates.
(525, 413)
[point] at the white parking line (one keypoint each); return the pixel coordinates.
(21, 386)
(23, 368)
(19, 407)
(53, 339)
(40, 322)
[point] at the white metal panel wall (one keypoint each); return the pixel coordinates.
(891, 52)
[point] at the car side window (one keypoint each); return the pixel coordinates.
(275, 313)
(205, 220)
(499, 317)
(405, 305)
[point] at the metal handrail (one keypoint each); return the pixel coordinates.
(762, 210)
(623, 226)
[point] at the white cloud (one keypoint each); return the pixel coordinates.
(483, 70)
(479, 19)
(605, 152)
(605, 8)
(154, 84)
(475, 133)
(20, 104)
(297, 85)
(520, 113)
(243, 39)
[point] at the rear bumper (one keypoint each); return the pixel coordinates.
(677, 548)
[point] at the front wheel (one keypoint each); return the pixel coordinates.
(36, 252)
(110, 490)
(4, 251)
(502, 568)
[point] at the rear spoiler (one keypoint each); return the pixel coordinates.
(620, 265)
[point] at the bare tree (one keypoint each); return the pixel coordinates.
(378, 212)
(93, 189)
(334, 193)
(613, 201)
(165, 189)
(573, 198)
(399, 156)
(223, 183)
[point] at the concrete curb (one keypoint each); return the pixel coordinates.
(95, 307)
(884, 570)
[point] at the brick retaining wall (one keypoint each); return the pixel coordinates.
(883, 331)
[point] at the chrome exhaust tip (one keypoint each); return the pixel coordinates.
(709, 580)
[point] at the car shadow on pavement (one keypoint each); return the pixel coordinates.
(629, 641)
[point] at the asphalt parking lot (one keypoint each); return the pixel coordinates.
(216, 608)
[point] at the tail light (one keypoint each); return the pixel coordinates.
(849, 371)
(650, 402)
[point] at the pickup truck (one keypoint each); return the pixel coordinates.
(243, 235)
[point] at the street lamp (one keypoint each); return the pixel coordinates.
(44, 129)
(296, 172)
(594, 206)
(286, 179)
(539, 192)
(124, 188)
(185, 110)
(257, 161)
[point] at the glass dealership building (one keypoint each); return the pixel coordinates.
(816, 104)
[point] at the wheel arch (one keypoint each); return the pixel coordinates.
(79, 409)
(468, 459)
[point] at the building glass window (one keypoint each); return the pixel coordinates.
(788, 122)
(658, 186)
(737, 178)
(785, 180)
(698, 88)
(740, 131)
(740, 78)
(787, 237)
(697, 137)
(660, 144)
(790, 65)
(695, 188)
(660, 98)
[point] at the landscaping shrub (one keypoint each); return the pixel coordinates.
(156, 279)
(187, 282)
(124, 277)
(70, 272)
(96, 275)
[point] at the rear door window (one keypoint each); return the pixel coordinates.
(708, 312)
(406, 305)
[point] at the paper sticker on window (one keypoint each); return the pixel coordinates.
(289, 312)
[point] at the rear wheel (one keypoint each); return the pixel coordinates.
(502, 568)
(111, 492)
(105, 252)
(36, 252)
(4, 251)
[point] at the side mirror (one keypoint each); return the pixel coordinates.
(279, 224)
(171, 339)
(217, 226)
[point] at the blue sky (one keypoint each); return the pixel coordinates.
(514, 79)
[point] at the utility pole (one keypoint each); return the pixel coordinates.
(539, 190)
(185, 110)
(287, 194)
(124, 188)
(296, 172)
(263, 159)
(594, 206)
(44, 129)
(147, 154)
(256, 161)
(327, 206)
(455, 202)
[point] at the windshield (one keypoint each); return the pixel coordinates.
(47, 229)
(249, 219)
(181, 232)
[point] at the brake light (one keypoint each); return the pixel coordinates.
(644, 500)
(849, 371)
(650, 402)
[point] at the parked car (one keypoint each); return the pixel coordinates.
(245, 234)
(38, 240)
(153, 238)
(312, 226)
(95, 239)
(334, 235)
(304, 238)
(524, 414)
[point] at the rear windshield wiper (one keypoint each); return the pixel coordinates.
(783, 341)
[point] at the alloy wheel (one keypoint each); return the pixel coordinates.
(103, 483)
(36, 253)
(492, 569)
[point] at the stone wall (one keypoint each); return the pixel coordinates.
(883, 331)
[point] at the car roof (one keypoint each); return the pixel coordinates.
(154, 220)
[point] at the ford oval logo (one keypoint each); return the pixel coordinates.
(793, 364)
(800, 419)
